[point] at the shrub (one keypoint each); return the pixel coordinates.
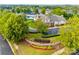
(41, 26)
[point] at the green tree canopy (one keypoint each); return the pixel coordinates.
(41, 27)
(13, 26)
(70, 37)
(35, 10)
(17, 27)
(58, 11)
(43, 10)
(70, 34)
(74, 20)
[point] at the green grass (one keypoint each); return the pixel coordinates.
(55, 39)
(25, 49)
(35, 35)
(39, 35)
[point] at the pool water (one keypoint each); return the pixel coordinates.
(53, 31)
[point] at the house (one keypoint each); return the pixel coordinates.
(69, 11)
(48, 11)
(53, 20)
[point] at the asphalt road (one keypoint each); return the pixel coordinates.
(4, 47)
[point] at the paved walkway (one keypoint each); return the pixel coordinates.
(4, 47)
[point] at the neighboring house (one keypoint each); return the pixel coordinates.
(69, 11)
(48, 11)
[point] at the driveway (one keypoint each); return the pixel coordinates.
(4, 47)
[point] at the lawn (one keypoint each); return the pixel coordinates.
(25, 49)
(55, 39)
(31, 36)
(34, 35)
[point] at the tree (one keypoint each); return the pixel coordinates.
(58, 11)
(28, 10)
(17, 28)
(13, 27)
(67, 16)
(74, 20)
(75, 10)
(43, 10)
(69, 37)
(18, 10)
(41, 27)
(70, 34)
(3, 24)
(35, 10)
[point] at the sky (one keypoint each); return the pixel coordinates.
(42, 2)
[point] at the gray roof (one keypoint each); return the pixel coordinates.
(53, 18)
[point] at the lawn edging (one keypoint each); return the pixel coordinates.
(11, 46)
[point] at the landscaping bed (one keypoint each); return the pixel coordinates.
(44, 46)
